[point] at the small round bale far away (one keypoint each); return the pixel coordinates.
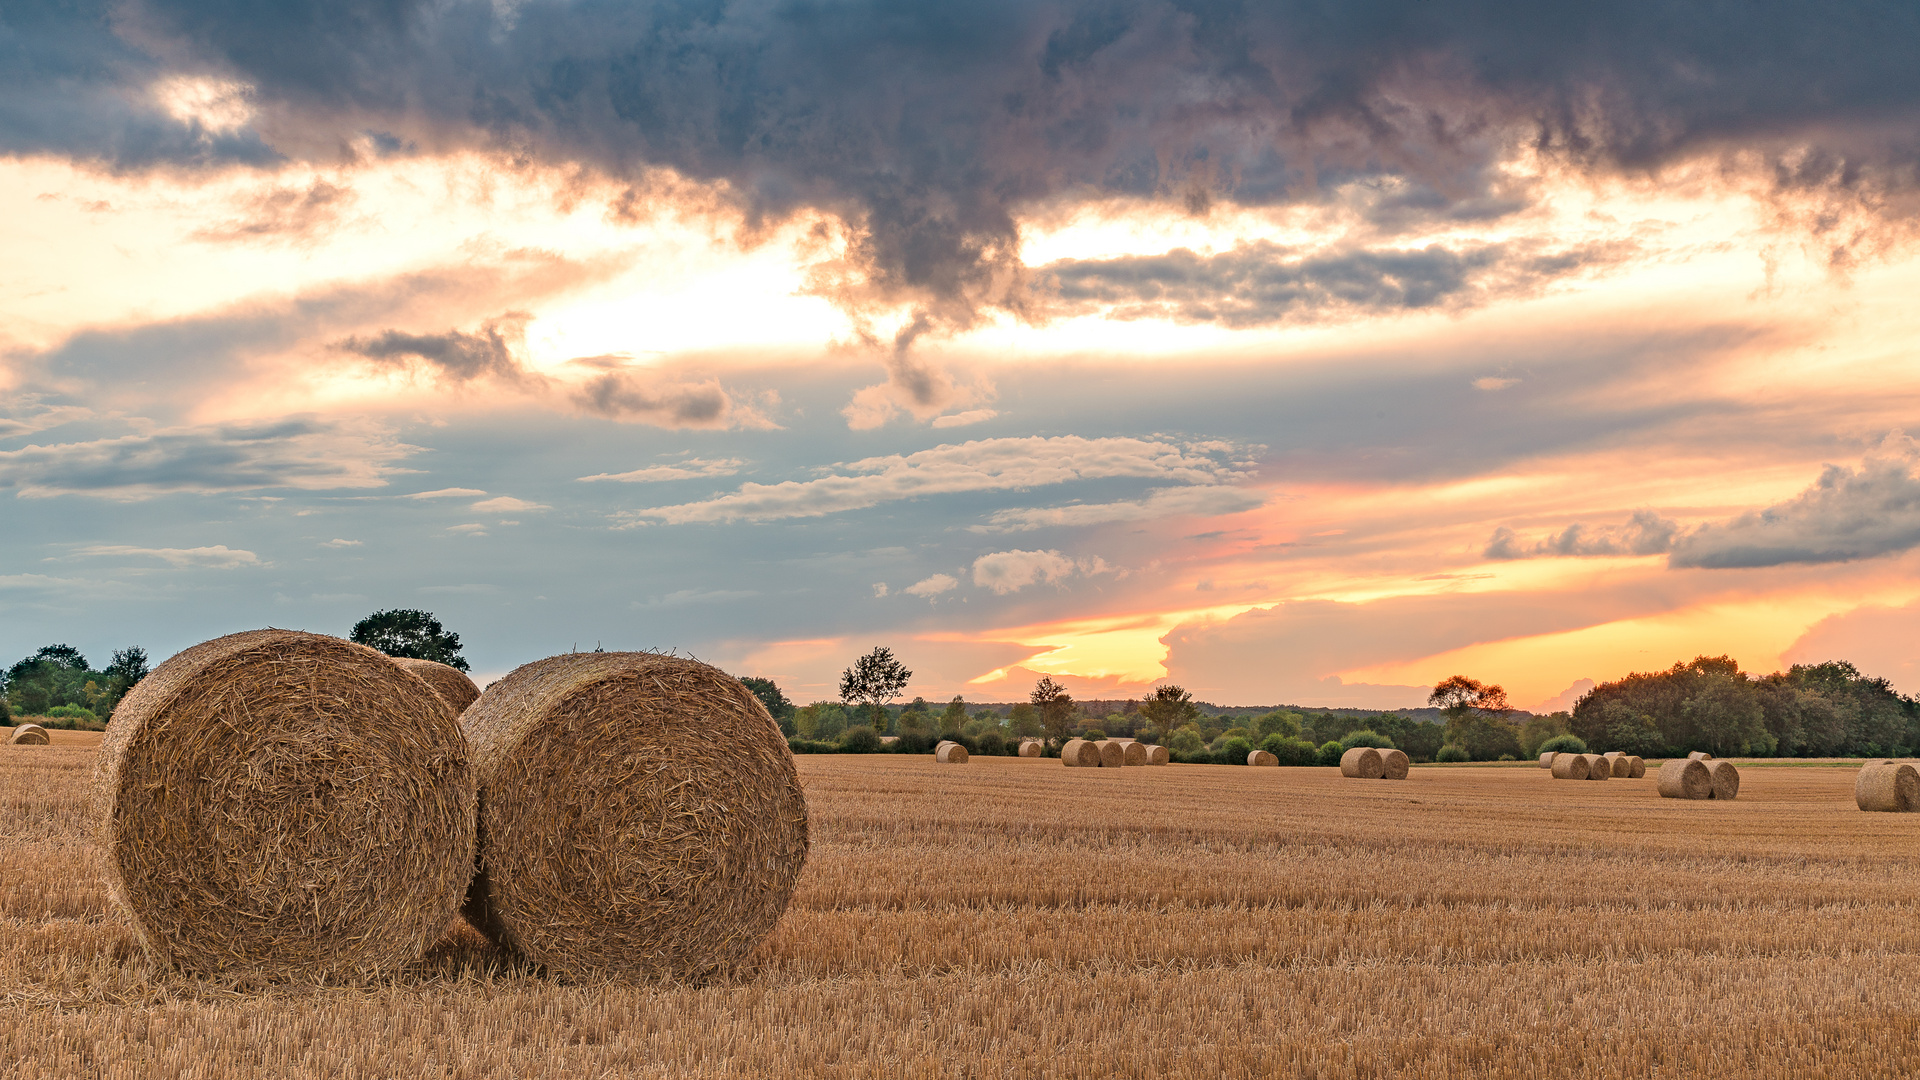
(1393, 765)
(1598, 767)
(1261, 757)
(1080, 754)
(1684, 778)
(1031, 748)
(1136, 752)
(1700, 755)
(30, 735)
(1885, 786)
(1362, 763)
(282, 805)
(950, 753)
(1112, 754)
(1569, 766)
(450, 683)
(1158, 755)
(1726, 779)
(640, 816)
(1546, 760)
(1638, 767)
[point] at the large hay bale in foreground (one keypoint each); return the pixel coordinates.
(1113, 755)
(276, 804)
(950, 753)
(1031, 748)
(1622, 765)
(1546, 760)
(1700, 755)
(1362, 763)
(1158, 755)
(1726, 779)
(1262, 757)
(1080, 754)
(30, 735)
(1393, 765)
(1889, 787)
(449, 682)
(1569, 766)
(1136, 752)
(1684, 778)
(1636, 767)
(640, 816)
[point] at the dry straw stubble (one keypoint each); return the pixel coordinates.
(1569, 766)
(449, 682)
(1726, 779)
(1684, 778)
(640, 816)
(1393, 765)
(1888, 787)
(275, 804)
(29, 735)
(950, 753)
(1362, 763)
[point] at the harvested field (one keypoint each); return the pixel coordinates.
(1465, 922)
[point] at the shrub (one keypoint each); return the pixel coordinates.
(914, 742)
(1366, 737)
(1093, 734)
(1451, 752)
(1508, 757)
(812, 746)
(1234, 751)
(860, 740)
(1330, 752)
(6, 714)
(1290, 750)
(1564, 744)
(1185, 741)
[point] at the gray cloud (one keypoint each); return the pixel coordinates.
(284, 214)
(1646, 533)
(1847, 514)
(301, 453)
(649, 398)
(460, 356)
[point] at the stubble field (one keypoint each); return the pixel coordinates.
(1013, 918)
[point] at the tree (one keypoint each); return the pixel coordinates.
(956, 715)
(1476, 717)
(411, 634)
(129, 665)
(1023, 721)
(1169, 707)
(874, 680)
(1056, 709)
(776, 702)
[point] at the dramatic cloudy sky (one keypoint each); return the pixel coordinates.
(1297, 352)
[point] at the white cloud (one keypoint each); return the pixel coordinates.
(685, 597)
(984, 465)
(339, 543)
(473, 528)
(299, 452)
(1169, 502)
(879, 588)
(444, 493)
(933, 586)
(1010, 571)
(507, 504)
(962, 419)
(690, 469)
(218, 557)
(1493, 382)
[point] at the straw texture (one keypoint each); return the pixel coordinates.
(279, 805)
(1030, 748)
(1158, 755)
(1393, 765)
(1080, 754)
(640, 816)
(1136, 753)
(1598, 767)
(1261, 757)
(1621, 764)
(1888, 787)
(1569, 766)
(1546, 760)
(950, 753)
(1726, 779)
(449, 682)
(1684, 778)
(1700, 755)
(29, 735)
(1112, 754)
(1636, 767)
(1362, 763)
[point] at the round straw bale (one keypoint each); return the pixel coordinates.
(1546, 760)
(1112, 754)
(449, 682)
(1362, 763)
(950, 753)
(1684, 778)
(1726, 779)
(1700, 755)
(1031, 748)
(1079, 754)
(277, 805)
(1393, 765)
(640, 816)
(1261, 757)
(1598, 768)
(1622, 765)
(1637, 768)
(29, 735)
(1158, 755)
(1136, 752)
(1569, 766)
(1888, 787)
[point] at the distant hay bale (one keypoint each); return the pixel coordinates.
(1137, 753)
(1886, 786)
(1598, 767)
(1637, 767)
(1261, 757)
(640, 816)
(1362, 763)
(1080, 754)
(1158, 755)
(1684, 778)
(950, 753)
(1726, 779)
(30, 735)
(1031, 748)
(1700, 755)
(1546, 760)
(1622, 765)
(283, 805)
(1112, 754)
(1569, 766)
(1393, 765)
(450, 683)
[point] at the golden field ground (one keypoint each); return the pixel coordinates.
(1011, 917)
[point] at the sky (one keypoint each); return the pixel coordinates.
(1291, 352)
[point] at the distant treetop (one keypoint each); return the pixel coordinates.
(416, 635)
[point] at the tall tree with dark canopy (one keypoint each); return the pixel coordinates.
(415, 635)
(874, 680)
(776, 702)
(1169, 707)
(1476, 717)
(1056, 709)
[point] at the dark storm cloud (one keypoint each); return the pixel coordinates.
(460, 356)
(653, 399)
(928, 126)
(1845, 515)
